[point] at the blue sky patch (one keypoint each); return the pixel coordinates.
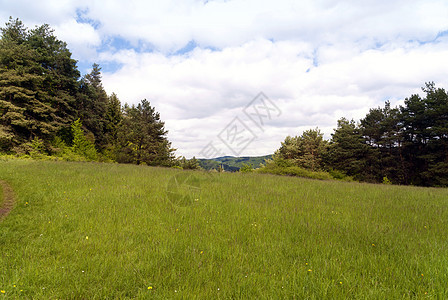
(81, 17)
(106, 66)
(188, 48)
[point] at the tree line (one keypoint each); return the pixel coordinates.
(47, 108)
(405, 145)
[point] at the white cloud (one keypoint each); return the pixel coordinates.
(170, 25)
(82, 38)
(38, 12)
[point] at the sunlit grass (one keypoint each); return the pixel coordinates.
(86, 230)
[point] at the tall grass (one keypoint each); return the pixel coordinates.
(95, 231)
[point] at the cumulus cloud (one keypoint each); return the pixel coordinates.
(169, 25)
(38, 12)
(82, 38)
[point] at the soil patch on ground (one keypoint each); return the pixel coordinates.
(8, 200)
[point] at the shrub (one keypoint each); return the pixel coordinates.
(81, 145)
(386, 180)
(246, 168)
(336, 174)
(272, 168)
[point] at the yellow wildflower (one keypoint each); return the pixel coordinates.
(149, 287)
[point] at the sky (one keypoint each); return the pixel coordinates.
(235, 77)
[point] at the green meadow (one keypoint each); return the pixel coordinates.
(97, 231)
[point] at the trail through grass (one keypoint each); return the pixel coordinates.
(95, 231)
(6, 199)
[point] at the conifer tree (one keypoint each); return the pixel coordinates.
(36, 96)
(81, 145)
(93, 106)
(142, 137)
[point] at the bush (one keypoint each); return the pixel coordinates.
(386, 180)
(272, 168)
(336, 174)
(246, 168)
(81, 145)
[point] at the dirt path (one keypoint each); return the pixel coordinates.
(8, 200)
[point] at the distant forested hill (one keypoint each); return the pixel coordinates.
(232, 164)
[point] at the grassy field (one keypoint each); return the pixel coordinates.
(96, 231)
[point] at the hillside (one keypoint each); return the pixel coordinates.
(96, 231)
(231, 163)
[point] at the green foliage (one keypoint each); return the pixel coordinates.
(408, 144)
(246, 168)
(386, 180)
(348, 152)
(113, 119)
(280, 168)
(339, 175)
(142, 137)
(81, 145)
(64, 152)
(305, 151)
(37, 146)
(96, 109)
(6, 138)
(38, 81)
(425, 137)
(187, 164)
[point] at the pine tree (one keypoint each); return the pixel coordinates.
(348, 151)
(425, 132)
(36, 96)
(93, 106)
(81, 145)
(382, 130)
(113, 118)
(142, 137)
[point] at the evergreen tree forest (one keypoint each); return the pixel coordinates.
(403, 145)
(47, 108)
